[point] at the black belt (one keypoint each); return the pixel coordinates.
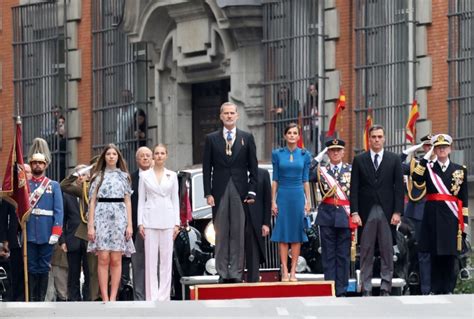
(110, 200)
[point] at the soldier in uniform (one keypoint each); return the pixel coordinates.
(446, 213)
(333, 213)
(415, 207)
(44, 225)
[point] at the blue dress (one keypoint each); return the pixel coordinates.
(290, 175)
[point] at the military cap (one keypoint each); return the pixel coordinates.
(335, 143)
(441, 139)
(426, 139)
(38, 157)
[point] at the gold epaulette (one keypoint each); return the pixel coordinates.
(465, 211)
(419, 170)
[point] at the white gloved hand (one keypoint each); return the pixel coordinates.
(412, 149)
(83, 171)
(53, 239)
(428, 154)
(320, 156)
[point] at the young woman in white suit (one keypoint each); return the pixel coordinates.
(158, 223)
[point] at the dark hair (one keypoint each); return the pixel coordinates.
(142, 126)
(376, 127)
(290, 126)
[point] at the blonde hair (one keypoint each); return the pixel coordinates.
(160, 145)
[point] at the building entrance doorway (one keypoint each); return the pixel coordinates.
(207, 98)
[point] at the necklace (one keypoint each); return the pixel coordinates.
(291, 154)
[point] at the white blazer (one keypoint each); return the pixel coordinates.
(158, 204)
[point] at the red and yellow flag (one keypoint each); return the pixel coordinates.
(341, 105)
(411, 123)
(15, 185)
(368, 123)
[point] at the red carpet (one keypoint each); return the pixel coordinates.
(262, 290)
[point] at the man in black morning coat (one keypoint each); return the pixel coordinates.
(376, 199)
(230, 183)
(257, 227)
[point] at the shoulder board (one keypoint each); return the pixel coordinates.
(281, 149)
(303, 151)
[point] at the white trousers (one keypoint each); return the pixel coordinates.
(158, 242)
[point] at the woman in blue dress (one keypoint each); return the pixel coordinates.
(109, 226)
(290, 199)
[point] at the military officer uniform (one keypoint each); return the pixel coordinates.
(414, 209)
(445, 215)
(333, 217)
(43, 228)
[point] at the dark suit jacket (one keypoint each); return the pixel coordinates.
(260, 211)
(9, 226)
(218, 168)
(383, 187)
(72, 220)
(134, 199)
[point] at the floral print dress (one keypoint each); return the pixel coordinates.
(110, 220)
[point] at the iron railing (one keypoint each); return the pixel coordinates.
(119, 103)
(39, 79)
(383, 68)
(460, 77)
(290, 50)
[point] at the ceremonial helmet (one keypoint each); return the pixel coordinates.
(40, 151)
(38, 157)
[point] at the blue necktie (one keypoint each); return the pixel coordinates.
(376, 161)
(335, 170)
(229, 136)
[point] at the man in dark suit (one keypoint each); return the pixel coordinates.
(257, 227)
(230, 183)
(333, 218)
(144, 160)
(11, 250)
(376, 198)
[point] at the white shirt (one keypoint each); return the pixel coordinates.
(234, 131)
(339, 166)
(446, 164)
(372, 156)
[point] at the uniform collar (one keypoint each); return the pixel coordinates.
(37, 179)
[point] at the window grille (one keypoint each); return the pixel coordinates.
(382, 68)
(290, 44)
(460, 77)
(119, 102)
(40, 79)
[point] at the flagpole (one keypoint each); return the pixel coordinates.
(23, 230)
(25, 259)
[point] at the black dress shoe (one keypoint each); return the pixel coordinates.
(366, 293)
(343, 295)
(384, 293)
